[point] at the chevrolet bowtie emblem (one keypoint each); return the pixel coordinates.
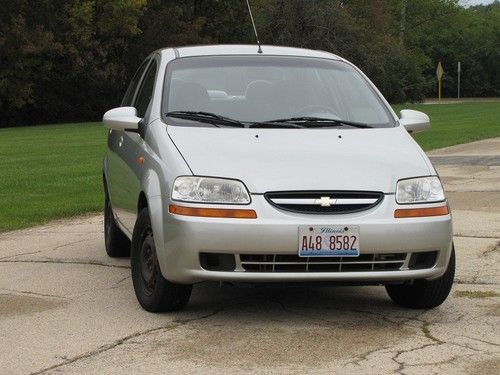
(325, 201)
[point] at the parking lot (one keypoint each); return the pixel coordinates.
(65, 307)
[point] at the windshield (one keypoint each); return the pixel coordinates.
(259, 88)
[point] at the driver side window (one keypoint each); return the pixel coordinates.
(132, 88)
(146, 91)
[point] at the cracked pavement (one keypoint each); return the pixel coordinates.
(65, 307)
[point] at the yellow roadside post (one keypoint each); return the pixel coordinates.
(439, 75)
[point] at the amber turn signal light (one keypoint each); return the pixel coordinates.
(421, 212)
(212, 212)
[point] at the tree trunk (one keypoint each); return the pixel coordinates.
(402, 23)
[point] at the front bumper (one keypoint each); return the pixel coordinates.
(276, 232)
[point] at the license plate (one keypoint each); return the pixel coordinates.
(329, 241)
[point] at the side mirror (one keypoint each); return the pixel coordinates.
(414, 121)
(122, 118)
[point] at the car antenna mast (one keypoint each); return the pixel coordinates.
(254, 28)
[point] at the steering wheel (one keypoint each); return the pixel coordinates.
(315, 108)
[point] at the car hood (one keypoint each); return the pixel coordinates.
(302, 159)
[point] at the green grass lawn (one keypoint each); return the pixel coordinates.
(54, 171)
(49, 172)
(453, 124)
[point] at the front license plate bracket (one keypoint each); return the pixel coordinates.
(328, 241)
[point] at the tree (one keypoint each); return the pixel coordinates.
(63, 60)
(70, 60)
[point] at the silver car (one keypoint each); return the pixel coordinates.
(232, 165)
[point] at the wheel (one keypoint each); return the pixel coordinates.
(424, 294)
(153, 291)
(116, 242)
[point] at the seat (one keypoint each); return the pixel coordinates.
(290, 97)
(188, 96)
(258, 101)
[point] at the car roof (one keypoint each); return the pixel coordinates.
(247, 49)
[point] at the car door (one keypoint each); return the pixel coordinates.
(126, 149)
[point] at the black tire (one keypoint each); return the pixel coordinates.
(423, 294)
(153, 291)
(116, 242)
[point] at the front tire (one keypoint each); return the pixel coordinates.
(153, 291)
(424, 294)
(116, 242)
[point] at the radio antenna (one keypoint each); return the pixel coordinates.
(254, 28)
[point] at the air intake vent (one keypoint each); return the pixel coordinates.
(324, 202)
(294, 263)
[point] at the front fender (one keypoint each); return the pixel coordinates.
(163, 163)
(153, 191)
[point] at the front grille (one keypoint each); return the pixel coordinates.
(324, 202)
(294, 263)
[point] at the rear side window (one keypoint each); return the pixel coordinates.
(132, 88)
(146, 91)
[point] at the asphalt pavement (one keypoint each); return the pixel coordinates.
(65, 307)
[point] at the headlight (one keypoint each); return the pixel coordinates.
(210, 190)
(419, 190)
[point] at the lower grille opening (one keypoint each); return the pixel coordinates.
(422, 260)
(387, 267)
(217, 262)
(294, 263)
(324, 268)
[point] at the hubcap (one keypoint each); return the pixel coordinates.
(147, 262)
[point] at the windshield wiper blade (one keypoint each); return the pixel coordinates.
(207, 117)
(275, 124)
(321, 122)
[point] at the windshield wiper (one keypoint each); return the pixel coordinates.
(210, 118)
(318, 122)
(292, 122)
(275, 124)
